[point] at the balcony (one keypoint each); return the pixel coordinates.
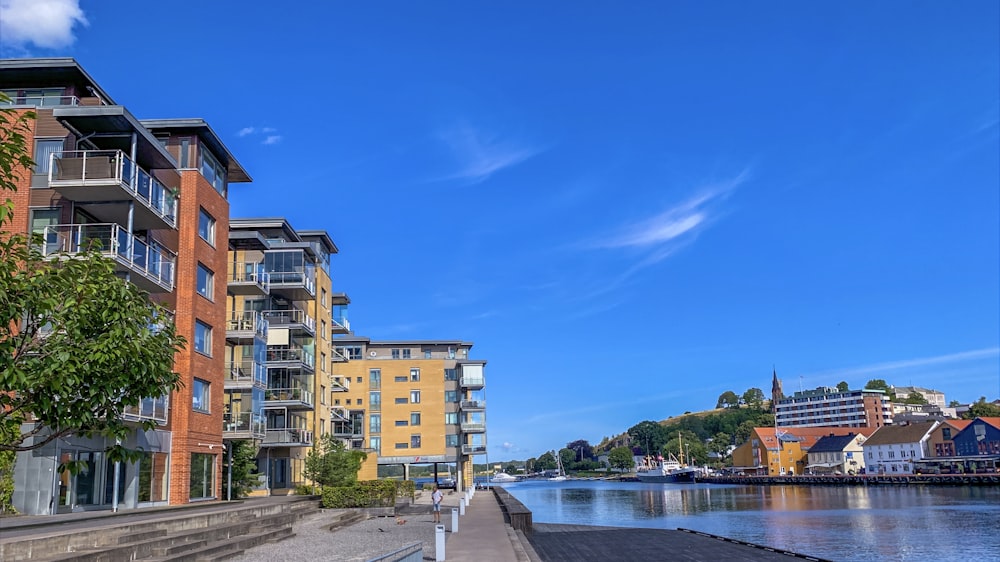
(292, 318)
(287, 437)
(243, 326)
(340, 384)
(473, 449)
(151, 264)
(107, 176)
(472, 382)
(292, 398)
(297, 285)
(341, 325)
(338, 355)
(245, 373)
(244, 425)
(295, 357)
(473, 427)
(472, 405)
(149, 409)
(248, 279)
(338, 413)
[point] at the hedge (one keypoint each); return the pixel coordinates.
(368, 493)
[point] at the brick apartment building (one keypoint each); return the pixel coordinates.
(155, 194)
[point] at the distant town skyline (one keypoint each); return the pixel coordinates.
(628, 210)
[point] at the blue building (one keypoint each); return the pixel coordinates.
(981, 437)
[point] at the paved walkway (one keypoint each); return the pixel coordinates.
(482, 534)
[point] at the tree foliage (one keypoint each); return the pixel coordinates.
(331, 463)
(982, 409)
(915, 398)
(79, 346)
(620, 458)
(842, 386)
(728, 399)
(754, 398)
(546, 461)
(244, 469)
(648, 436)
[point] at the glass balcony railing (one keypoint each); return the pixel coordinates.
(473, 449)
(249, 273)
(36, 100)
(246, 371)
(82, 168)
(295, 278)
(473, 404)
(244, 423)
(149, 259)
(295, 354)
(289, 394)
(290, 316)
(247, 321)
(476, 381)
(149, 409)
(288, 437)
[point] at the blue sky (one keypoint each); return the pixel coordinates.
(629, 210)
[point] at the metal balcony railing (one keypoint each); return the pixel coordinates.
(81, 168)
(288, 436)
(295, 354)
(149, 409)
(42, 100)
(247, 321)
(249, 273)
(246, 371)
(149, 259)
(288, 394)
(473, 427)
(290, 316)
(294, 278)
(244, 422)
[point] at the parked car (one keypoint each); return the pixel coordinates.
(446, 483)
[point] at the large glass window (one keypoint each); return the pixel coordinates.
(200, 396)
(406, 354)
(414, 375)
(451, 440)
(205, 281)
(415, 441)
(376, 444)
(451, 396)
(451, 374)
(414, 396)
(40, 218)
(202, 475)
(451, 418)
(202, 338)
(414, 418)
(153, 477)
(374, 400)
(375, 423)
(44, 148)
(212, 170)
(206, 226)
(375, 378)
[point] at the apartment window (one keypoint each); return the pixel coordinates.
(322, 329)
(450, 374)
(205, 281)
(200, 395)
(402, 423)
(415, 441)
(41, 218)
(354, 352)
(322, 362)
(202, 338)
(44, 149)
(414, 418)
(206, 226)
(400, 378)
(358, 401)
(406, 354)
(375, 423)
(946, 432)
(202, 476)
(336, 401)
(322, 394)
(401, 400)
(414, 396)
(451, 396)
(374, 400)
(451, 440)
(395, 354)
(375, 378)
(402, 445)
(322, 297)
(451, 353)
(376, 444)
(359, 380)
(212, 171)
(427, 353)
(414, 375)
(451, 418)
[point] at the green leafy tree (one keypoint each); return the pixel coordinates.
(728, 399)
(511, 468)
(620, 459)
(744, 431)
(880, 384)
(954, 404)
(648, 435)
(244, 469)
(529, 465)
(915, 398)
(754, 397)
(546, 461)
(720, 444)
(79, 347)
(982, 409)
(331, 463)
(842, 386)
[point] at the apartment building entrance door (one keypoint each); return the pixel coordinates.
(92, 486)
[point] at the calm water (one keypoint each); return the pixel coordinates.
(839, 523)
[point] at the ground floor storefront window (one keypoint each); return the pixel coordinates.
(202, 476)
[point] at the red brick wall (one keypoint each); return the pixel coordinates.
(21, 199)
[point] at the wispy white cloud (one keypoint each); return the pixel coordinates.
(904, 366)
(480, 155)
(269, 134)
(47, 24)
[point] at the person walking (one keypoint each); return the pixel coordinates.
(436, 498)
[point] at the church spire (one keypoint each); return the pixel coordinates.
(776, 391)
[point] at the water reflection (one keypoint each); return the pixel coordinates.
(840, 523)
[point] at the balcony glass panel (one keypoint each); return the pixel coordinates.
(149, 259)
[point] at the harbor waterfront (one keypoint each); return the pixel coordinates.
(837, 523)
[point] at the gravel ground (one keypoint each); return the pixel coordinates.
(358, 542)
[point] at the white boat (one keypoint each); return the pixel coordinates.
(561, 473)
(502, 477)
(666, 470)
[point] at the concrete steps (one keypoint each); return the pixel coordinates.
(214, 535)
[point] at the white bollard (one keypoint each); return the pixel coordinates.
(461, 507)
(439, 543)
(454, 520)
